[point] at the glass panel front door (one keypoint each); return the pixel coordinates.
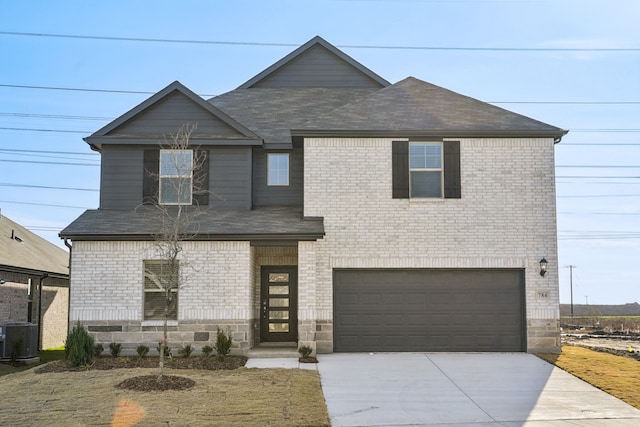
(279, 305)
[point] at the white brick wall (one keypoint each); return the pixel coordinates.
(505, 218)
(107, 280)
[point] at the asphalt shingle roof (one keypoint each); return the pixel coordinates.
(208, 224)
(272, 113)
(27, 250)
(415, 105)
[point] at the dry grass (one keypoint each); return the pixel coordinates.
(617, 375)
(241, 397)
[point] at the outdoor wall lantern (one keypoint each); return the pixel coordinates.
(543, 267)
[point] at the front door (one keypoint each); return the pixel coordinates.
(279, 304)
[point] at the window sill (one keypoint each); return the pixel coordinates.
(159, 323)
(426, 200)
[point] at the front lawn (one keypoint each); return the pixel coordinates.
(617, 375)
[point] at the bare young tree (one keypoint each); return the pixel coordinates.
(182, 181)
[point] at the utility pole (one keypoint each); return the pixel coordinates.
(571, 267)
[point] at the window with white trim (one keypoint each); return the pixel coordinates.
(278, 169)
(176, 177)
(425, 169)
(161, 289)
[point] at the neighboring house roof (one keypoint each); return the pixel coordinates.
(22, 251)
(413, 107)
(259, 224)
(155, 119)
(293, 69)
(273, 112)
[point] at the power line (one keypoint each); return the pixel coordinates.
(6, 184)
(45, 130)
(49, 163)
(142, 92)
(600, 195)
(50, 152)
(272, 44)
(598, 166)
(77, 89)
(43, 204)
(89, 132)
(54, 116)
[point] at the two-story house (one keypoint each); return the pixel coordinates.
(340, 211)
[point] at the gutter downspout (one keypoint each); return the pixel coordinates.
(40, 310)
(67, 244)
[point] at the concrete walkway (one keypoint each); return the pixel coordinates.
(454, 390)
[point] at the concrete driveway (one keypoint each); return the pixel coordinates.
(469, 389)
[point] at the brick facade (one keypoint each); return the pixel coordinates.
(107, 293)
(505, 219)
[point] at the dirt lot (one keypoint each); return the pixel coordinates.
(591, 341)
(241, 397)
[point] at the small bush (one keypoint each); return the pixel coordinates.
(207, 350)
(78, 347)
(97, 350)
(142, 350)
(223, 344)
(115, 348)
(167, 350)
(305, 351)
(186, 351)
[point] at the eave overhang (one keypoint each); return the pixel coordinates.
(435, 134)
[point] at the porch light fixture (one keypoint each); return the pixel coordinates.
(543, 267)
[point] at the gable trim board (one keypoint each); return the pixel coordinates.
(314, 42)
(107, 134)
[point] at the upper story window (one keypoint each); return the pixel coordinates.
(176, 177)
(278, 169)
(425, 169)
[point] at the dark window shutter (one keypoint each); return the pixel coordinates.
(400, 169)
(201, 178)
(452, 185)
(150, 178)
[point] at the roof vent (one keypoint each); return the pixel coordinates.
(15, 237)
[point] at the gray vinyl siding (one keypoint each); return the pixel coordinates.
(123, 172)
(291, 195)
(169, 114)
(317, 67)
(121, 177)
(230, 178)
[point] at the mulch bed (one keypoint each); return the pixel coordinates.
(148, 383)
(109, 362)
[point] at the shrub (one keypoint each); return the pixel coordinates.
(186, 351)
(97, 350)
(305, 351)
(223, 344)
(167, 349)
(78, 347)
(115, 348)
(207, 350)
(142, 350)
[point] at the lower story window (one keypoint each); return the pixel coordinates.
(161, 289)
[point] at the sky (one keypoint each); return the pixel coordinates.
(67, 68)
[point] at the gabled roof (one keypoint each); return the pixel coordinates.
(287, 62)
(413, 107)
(26, 252)
(233, 131)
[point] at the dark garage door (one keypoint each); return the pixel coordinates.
(428, 310)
